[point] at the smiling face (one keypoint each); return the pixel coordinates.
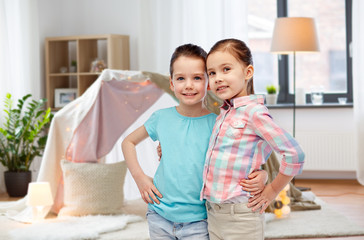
(228, 77)
(189, 80)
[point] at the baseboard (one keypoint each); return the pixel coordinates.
(327, 175)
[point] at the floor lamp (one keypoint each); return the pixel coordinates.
(292, 35)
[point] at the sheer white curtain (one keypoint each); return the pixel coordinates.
(19, 53)
(165, 24)
(358, 84)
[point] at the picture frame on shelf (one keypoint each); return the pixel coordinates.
(63, 96)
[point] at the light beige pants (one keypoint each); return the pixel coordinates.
(234, 221)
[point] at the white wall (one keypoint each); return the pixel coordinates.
(76, 17)
(332, 122)
(315, 119)
(88, 17)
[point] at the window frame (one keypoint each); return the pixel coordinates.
(283, 62)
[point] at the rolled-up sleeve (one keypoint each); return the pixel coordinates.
(280, 141)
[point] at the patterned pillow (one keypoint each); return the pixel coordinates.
(92, 188)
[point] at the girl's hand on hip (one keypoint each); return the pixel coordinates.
(147, 189)
(261, 201)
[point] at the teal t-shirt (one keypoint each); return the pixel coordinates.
(184, 142)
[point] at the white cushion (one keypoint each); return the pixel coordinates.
(92, 188)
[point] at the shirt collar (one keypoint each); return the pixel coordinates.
(242, 101)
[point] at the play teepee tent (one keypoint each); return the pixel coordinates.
(87, 130)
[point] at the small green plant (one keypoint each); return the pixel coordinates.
(23, 135)
(271, 89)
(74, 63)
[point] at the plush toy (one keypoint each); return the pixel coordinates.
(98, 65)
(281, 204)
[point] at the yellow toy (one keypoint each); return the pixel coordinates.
(281, 204)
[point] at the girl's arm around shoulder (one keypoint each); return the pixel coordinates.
(145, 183)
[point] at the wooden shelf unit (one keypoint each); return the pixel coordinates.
(60, 51)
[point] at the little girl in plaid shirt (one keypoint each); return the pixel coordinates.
(242, 139)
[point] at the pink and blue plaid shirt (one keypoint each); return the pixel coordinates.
(242, 139)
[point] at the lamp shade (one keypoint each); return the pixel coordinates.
(294, 34)
(39, 194)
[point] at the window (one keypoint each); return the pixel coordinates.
(330, 68)
(337, 74)
(261, 17)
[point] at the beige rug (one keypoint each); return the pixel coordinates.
(313, 224)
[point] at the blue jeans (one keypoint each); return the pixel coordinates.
(161, 228)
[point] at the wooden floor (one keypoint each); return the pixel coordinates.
(345, 196)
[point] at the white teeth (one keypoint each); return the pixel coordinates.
(189, 94)
(221, 88)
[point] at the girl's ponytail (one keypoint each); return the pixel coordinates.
(250, 87)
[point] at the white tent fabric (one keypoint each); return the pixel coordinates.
(70, 119)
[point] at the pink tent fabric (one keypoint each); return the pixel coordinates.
(119, 104)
